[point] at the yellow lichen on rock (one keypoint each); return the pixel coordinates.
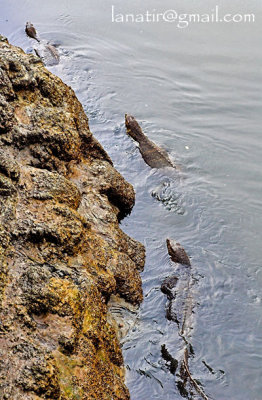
(62, 253)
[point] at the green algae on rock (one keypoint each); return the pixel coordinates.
(62, 253)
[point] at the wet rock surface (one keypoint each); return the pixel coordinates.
(62, 252)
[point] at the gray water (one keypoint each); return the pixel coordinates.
(197, 93)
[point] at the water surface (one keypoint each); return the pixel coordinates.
(197, 93)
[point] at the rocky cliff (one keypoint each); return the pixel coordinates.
(62, 253)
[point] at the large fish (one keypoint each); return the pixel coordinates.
(153, 155)
(180, 309)
(46, 51)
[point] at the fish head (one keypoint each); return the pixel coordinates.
(133, 128)
(29, 25)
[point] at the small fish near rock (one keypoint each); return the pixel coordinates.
(31, 31)
(44, 50)
(177, 252)
(153, 155)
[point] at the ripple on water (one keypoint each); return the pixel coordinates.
(186, 94)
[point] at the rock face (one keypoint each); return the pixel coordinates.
(62, 252)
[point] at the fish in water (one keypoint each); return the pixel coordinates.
(44, 50)
(31, 31)
(153, 155)
(177, 253)
(180, 309)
